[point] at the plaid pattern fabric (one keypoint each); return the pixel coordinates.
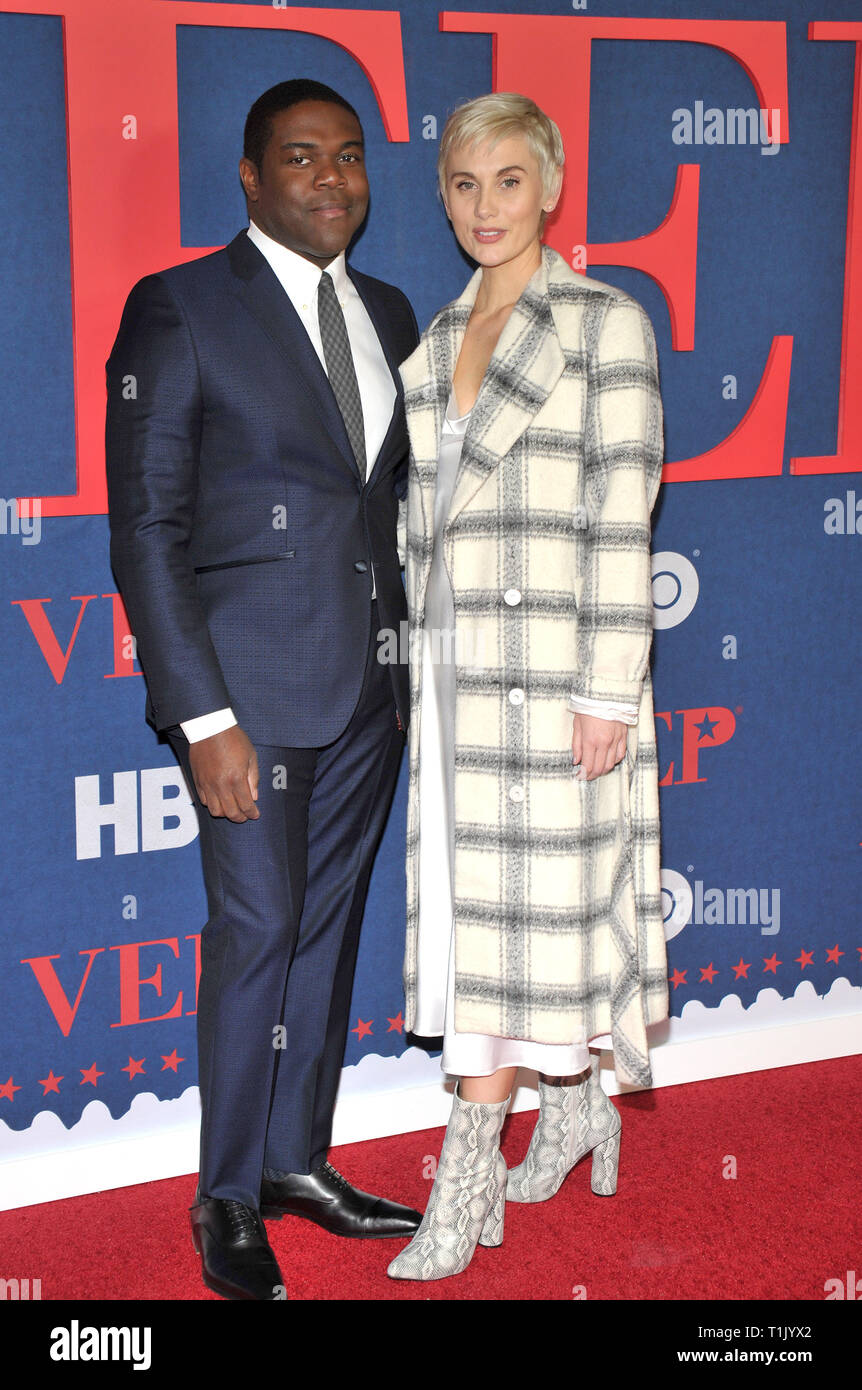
(558, 920)
(340, 368)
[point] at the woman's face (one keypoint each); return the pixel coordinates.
(494, 200)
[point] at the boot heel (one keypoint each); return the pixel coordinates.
(467, 1200)
(606, 1160)
(492, 1231)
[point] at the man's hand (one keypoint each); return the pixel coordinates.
(224, 767)
(597, 745)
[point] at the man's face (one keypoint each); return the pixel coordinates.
(311, 193)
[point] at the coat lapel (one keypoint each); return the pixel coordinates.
(427, 378)
(525, 367)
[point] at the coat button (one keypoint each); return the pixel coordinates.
(516, 793)
(512, 596)
(516, 697)
(360, 566)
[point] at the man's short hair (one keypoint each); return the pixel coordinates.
(281, 97)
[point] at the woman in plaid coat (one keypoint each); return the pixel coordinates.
(534, 918)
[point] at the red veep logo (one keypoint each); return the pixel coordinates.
(56, 655)
(696, 730)
(130, 982)
(121, 63)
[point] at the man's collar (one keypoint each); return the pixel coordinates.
(302, 273)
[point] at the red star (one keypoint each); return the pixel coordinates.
(134, 1068)
(708, 972)
(772, 962)
(859, 949)
(805, 958)
(363, 1029)
(91, 1075)
(833, 955)
(170, 1061)
(678, 978)
(7, 1090)
(396, 1024)
(50, 1083)
(741, 969)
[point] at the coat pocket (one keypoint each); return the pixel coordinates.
(254, 560)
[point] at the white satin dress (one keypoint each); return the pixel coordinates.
(464, 1054)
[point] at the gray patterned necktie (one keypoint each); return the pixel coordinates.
(340, 368)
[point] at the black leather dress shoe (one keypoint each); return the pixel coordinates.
(326, 1197)
(236, 1257)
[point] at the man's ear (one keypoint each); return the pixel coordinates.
(249, 178)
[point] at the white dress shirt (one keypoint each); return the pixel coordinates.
(299, 278)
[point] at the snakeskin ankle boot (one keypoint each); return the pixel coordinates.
(468, 1199)
(572, 1121)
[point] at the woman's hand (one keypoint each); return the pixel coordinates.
(597, 745)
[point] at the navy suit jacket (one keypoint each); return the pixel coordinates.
(242, 536)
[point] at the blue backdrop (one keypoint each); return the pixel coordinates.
(773, 587)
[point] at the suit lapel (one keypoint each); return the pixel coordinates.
(258, 288)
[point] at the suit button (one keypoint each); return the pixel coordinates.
(360, 566)
(516, 793)
(516, 697)
(512, 596)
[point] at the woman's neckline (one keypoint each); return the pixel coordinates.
(452, 406)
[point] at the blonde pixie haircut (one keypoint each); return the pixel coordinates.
(488, 119)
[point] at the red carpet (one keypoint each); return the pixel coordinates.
(677, 1229)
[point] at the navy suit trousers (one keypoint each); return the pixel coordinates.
(286, 895)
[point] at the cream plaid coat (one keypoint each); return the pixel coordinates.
(558, 920)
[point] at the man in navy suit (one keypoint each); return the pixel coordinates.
(257, 452)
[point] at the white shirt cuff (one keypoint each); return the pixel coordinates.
(205, 725)
(604, 709)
